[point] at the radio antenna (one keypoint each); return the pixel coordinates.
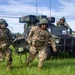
(36, 7)
(50, 7)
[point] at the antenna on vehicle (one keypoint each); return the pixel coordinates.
(50, 7)
(36, 7)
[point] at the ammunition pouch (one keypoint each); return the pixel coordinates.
(37, 43)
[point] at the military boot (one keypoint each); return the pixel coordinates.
(30, 59)
(27, 64)
(40, 68)
(9, 68)
(2, 58)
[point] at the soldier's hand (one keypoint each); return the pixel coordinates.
(29, 42)
(54, 49)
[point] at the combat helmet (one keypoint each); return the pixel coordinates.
(2, 21)
(43, 21)
(63, 18)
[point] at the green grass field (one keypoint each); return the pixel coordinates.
(50, 67)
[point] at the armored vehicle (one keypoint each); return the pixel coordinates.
(64, 40)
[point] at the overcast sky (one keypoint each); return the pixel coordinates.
(11, 10)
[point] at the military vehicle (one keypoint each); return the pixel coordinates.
(64, 40)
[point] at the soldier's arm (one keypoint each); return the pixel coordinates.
(57, 23)
(51, 41)
(66, 24)
(31, 34)
(53, 44)
(10, 36)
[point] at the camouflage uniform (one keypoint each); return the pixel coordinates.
(38, 39)
(5, 41)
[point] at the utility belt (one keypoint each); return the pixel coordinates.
(37, 43)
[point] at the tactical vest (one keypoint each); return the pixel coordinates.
(3, 36)
(40, 37)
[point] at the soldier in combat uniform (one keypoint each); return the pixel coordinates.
(62, 22)
(5, 41)
(38, 39)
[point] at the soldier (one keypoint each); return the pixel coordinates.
(5, 41)
(62, 22)
(38, 39)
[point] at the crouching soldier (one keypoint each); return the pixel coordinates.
(37, 39)
(5, 41)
